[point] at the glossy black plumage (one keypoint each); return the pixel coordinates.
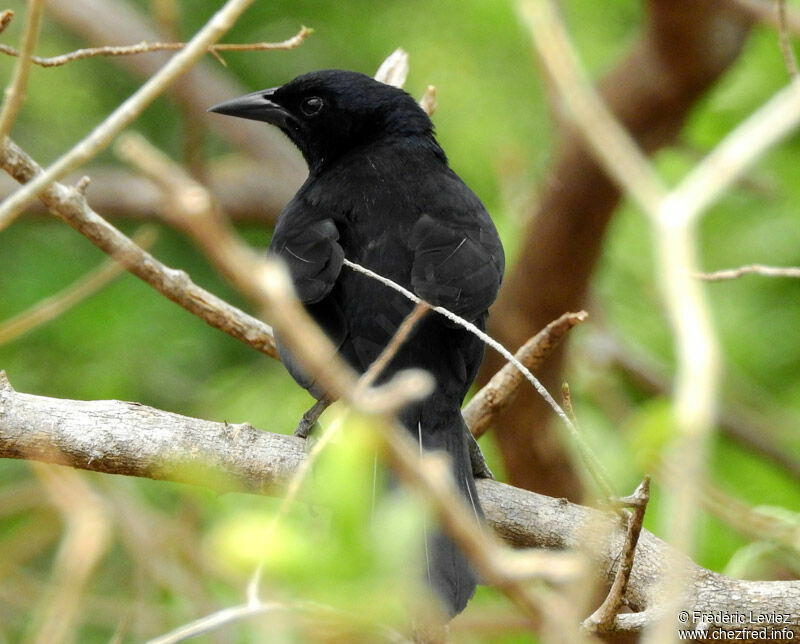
(380, 193)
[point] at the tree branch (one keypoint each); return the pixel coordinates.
(15, 91)
(604, 617)
(750, 269)
(104, 133)
(70, 205)
(131, 439)
(684, 47)
(497, 394)
(150, 47)
(115, 22)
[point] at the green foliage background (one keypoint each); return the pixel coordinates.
(128, 342)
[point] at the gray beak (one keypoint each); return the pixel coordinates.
(257, 106)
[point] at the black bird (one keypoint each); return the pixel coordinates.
(380, 193)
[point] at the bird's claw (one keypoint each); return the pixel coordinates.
(480, 470)
(308, 422)
(304, 427)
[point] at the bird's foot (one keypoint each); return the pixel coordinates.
(309, 420)
(480, 470)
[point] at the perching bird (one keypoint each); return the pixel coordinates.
(381, 194)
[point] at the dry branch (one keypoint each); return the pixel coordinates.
(602, 620)
(127, 438)
(102, 135)
(15, 90)
(189, 206)
(685, 45)
(150, 47)
(70, 205)
(750, 269)
(116, 22)
(499, 392)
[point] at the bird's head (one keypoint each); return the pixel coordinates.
(328, 113)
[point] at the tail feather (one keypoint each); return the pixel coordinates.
(449, 572)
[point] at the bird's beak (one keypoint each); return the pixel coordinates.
(257, 106)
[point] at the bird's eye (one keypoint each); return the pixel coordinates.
(312, 105)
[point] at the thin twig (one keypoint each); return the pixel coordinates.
(69, 205)
(53, 306)
(750, 269)
(102, 135)
(472, 329)
(499, 392)
(189, 206)
(602, 620)
(115, 22)
(150, 47)
(785, 42)
(15, 91)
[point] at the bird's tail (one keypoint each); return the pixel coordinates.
(449, 573)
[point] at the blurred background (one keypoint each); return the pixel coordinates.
(155, 555)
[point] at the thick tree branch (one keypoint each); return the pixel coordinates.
(685, 46)
(131, 439)
(127, 438)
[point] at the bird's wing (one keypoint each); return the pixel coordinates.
(313, 255)
(456, 267)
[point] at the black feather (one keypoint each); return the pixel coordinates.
(380, 193)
